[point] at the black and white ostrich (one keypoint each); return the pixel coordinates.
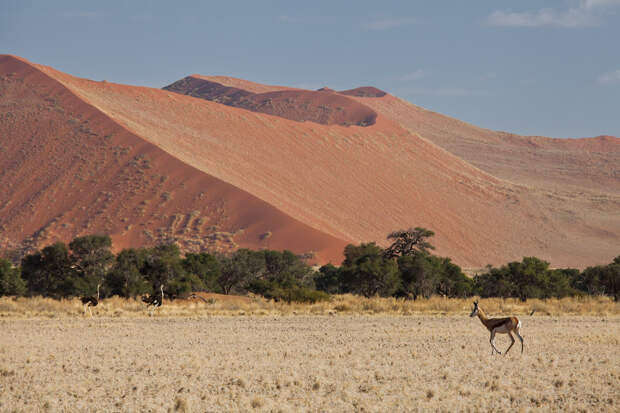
(154, 301)
(90, 301)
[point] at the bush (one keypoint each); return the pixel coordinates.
(11, 282)
(273, 291)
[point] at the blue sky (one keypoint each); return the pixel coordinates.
(530, 67)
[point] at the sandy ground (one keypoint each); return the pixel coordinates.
(306, 363)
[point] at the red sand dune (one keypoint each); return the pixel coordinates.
(295, 104)
(344, 183)
(67, 169)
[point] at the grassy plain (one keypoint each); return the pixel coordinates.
(192, 359)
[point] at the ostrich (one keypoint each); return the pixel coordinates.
(90, 301)
(154, 300)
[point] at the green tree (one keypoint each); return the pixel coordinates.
(11, 282)
(496, 282)
(601, 280)
(285, 277)
(328, 279)
(92, 259)
(561, 280)
(49, 272)
(612, 279)
(366, 271)
(286, 269)
(238, 270)
(206, 267)
(452, 281)
(531, 277)
(411, 241)
(126, 277)
(420, 275)
(163, 266)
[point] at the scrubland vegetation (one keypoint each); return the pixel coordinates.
(405, 269)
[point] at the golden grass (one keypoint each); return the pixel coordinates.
(35, 307)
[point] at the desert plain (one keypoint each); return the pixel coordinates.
(298, 362)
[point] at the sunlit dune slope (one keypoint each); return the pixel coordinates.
(67, 169)
(572, 165)
(359, 183)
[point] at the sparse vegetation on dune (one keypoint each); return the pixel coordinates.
(346, 304)
(373, 363)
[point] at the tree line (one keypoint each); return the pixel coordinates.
(407, 268)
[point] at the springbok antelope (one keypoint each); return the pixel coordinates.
(504, 325)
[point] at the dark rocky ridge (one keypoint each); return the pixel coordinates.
(324, 107)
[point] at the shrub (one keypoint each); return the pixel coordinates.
(274, 291)
(11, 282)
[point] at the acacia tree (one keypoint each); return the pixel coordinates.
(240, 269)
(412, 241)
(125, 278)
(365, 271)
(49, 272)
(206, 267)
(92, 259)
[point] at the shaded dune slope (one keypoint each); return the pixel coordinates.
(67, 169)
(294, 104)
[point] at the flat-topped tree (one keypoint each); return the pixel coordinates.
(411, 241)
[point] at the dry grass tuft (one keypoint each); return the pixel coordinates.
(181, 405)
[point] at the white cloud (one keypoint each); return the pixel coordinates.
(609, 78)
(587, 13)
(390, 23)
(590, 4)
(545, 17)
(416, 75)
